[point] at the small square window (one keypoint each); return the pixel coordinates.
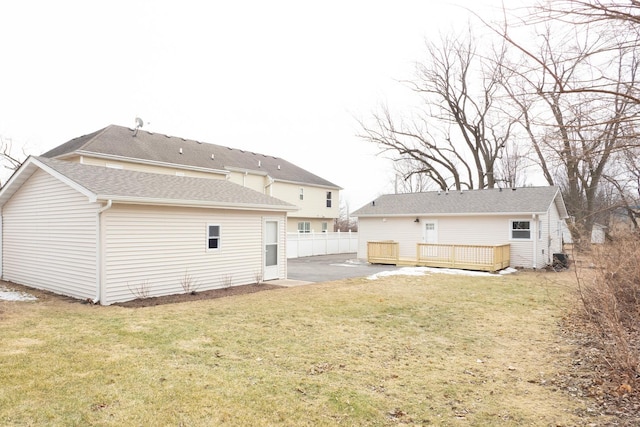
(213, 237)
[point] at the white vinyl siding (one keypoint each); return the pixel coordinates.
(155, 246)
(49, 238)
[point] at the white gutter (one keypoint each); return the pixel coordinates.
(195, 203)
(99, 250)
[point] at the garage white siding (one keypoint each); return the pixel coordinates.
(461, 230)
(402, 230)
(155, 247)
(49, 238)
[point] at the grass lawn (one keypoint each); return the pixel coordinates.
(429, 350)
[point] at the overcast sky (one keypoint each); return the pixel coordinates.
(284, 78)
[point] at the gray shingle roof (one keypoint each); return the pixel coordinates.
(127, 185)
(118, 141)
(494, 201)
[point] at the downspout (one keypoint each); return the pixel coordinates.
(99, 263)
(270, 183)
(548, 238)
(1, 248)
(535, 241)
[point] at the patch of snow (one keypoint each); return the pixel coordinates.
(356, 261)
(343, 265)
(421, 271)
(11, 295)
(404, 271)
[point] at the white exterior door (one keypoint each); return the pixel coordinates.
(270, 250)
(431, 236)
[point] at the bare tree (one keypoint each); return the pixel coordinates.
(406, 179)
(8, 160)
(345, 222)
(457, 139)
(575, 93)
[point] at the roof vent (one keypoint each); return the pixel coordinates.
(180, 150)
(259, 164)
(139, 124)
(213, 156)
(278, 167)
(373, 203)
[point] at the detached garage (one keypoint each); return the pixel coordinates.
(112, 235)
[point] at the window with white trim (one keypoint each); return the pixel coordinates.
(301, 193)
(325, 227)
(213, 237)
(328, 199)
(304, 227)
(520, 230)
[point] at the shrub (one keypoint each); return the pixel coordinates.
(610, 293)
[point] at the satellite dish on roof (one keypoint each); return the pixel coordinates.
(139, 124)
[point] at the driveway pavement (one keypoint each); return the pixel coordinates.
(326, 268)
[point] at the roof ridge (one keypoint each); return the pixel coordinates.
(93, 138)
(242, 150)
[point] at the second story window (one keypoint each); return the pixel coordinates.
(301, 193)
(328, 199)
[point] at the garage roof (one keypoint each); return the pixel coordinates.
(126, 186)
(522, 200)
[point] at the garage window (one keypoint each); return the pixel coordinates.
(213, 237)
(521, 230)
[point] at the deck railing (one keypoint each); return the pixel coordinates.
(383, 252)
(466, 257)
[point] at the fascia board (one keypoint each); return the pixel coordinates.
(68, 181)
(245, 170)
(28, 168)
(333, 187)
(194, 203)
(148, 162)
(432, 214)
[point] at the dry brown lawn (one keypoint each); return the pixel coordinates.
(401, 350)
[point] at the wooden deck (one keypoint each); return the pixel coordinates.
(466, 257)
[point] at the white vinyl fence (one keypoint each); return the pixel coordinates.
(309, 244)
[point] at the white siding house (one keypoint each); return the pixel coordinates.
(528, 219)
(112, 235)
(316, 198)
